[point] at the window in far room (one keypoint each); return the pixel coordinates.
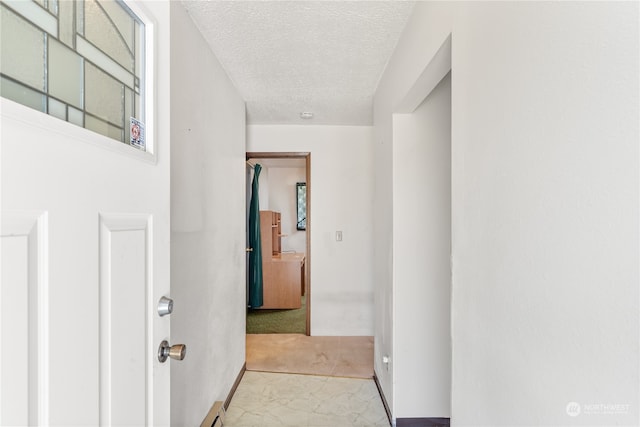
(301, 203)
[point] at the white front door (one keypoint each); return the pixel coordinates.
(85, 259)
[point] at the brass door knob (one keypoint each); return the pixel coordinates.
(176, 351)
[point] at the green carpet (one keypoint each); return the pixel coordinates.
(278, 321)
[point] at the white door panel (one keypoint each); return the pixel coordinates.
(96, 263)
(22, 314)
(124, 244)
(15, 330)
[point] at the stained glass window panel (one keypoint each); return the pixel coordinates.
(75, 116)
(57, 109)
(21, 50)
(80, 17)
(123, 22)
(102, 127)
(65, 73)
(139, 40)
(53, 6)
(65, 25)
(100, 30)
(22, 94)
(78, 60)
(104, 95)
(128, 112)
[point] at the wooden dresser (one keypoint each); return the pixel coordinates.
(282, 273)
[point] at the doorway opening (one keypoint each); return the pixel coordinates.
(285, 246)
(423, 230)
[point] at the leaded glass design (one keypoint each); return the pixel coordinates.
(78, 60)
(301, 202)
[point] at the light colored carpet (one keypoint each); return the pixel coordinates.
(350, 357)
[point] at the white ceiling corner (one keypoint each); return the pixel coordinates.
(286, 57)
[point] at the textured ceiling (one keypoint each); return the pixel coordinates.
(286, 57)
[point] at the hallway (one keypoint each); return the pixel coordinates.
(275, 399)
(492, 260)
(297, 380)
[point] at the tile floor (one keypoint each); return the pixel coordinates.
(265, 399)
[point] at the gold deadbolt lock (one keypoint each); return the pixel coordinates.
(176, 352)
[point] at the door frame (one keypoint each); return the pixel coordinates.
(436, 70)
(307, 156)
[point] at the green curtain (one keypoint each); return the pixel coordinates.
(255, 256)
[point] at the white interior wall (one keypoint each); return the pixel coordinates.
(341, 194)
(282, 198)
(422, 249)
(421, 39)
(207, 223)
(545, 206)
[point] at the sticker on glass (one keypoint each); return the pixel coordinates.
(137, 134)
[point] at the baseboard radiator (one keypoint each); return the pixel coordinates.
(215, 417)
